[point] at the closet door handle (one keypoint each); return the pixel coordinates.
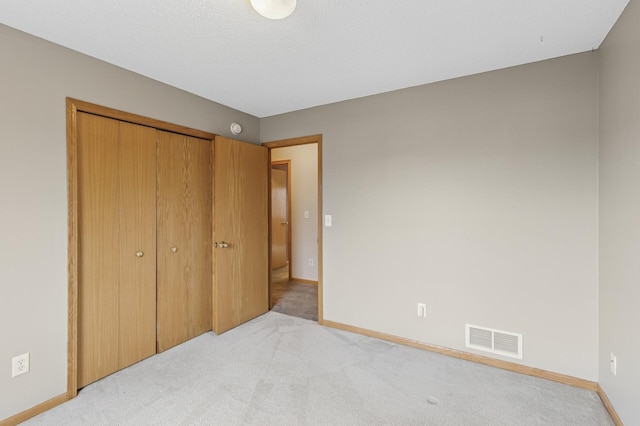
(221, 244)
(173, 249)
(140, 253)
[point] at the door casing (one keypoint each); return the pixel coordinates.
(304, 140)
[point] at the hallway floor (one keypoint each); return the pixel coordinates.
(293, 298)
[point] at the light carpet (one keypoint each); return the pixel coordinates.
(282, 370)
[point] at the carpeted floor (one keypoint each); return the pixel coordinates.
(282, 370)
(293, 298)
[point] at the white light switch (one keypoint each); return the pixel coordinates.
(327, 220)
(306, 214)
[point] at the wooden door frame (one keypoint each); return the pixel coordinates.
(73, 106)
(304, 140)
(289, 218)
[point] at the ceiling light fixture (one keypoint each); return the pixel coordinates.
(274, 9)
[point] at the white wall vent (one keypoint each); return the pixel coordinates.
(495, 341)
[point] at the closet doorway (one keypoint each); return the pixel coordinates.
(143, 223)
(141, 214)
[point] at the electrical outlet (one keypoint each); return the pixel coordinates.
(613, 363)
(311, 262)
(422, 310)
(20, 364)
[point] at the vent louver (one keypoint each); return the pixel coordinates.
(494, 341)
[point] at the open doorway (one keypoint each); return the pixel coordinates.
(295, 283)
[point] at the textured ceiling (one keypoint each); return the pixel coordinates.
(326, 51)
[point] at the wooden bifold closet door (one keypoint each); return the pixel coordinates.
(117, 245)
(144, 242)
(184, 238)
(241, 228)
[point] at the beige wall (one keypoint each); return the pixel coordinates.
(620, 213)
(35, 78)
(476, 196)
(304, 196)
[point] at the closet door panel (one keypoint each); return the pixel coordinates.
(199, 237)
(98, 247)
(241, 282)
(171, 279)
(116, 220)
(137, 248)
(184, 238)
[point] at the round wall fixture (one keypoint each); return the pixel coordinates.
(236, 129)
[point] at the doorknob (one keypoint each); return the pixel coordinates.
(174, 249)
(140, 253)
(285, 223)
(221, 244)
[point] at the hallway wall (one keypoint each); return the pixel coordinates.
(304, 196)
